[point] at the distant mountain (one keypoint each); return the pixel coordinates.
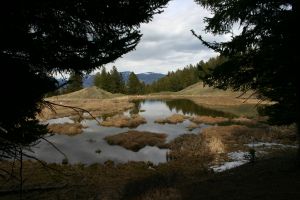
(147, 77)
(88, 81)
(125, 75)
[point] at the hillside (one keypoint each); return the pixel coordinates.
(88, 93)
(199, 89)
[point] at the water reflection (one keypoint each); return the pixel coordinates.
(90, 146)
(184, 106)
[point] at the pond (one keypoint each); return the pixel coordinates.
(90, 146)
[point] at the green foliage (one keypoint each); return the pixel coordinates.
(262, 57)
(175, 81)
(182, 78)
(110, 81)
(134, 86)
(118, 84)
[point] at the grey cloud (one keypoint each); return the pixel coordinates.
(167, 43)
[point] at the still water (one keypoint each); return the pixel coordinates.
(83, 148)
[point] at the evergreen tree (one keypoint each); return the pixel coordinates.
(262, 57)
(103, 80)
(74, 83)
(110, 81)
(97, 80)
(117, 82)
(39, 38)
(134, 85)
(176, 81)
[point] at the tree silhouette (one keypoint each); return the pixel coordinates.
(262, 57)
(74, 83)
(41, 38)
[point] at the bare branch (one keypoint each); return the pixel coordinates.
(76, 109)
(55, 147)
(251, 95)
(243, 93)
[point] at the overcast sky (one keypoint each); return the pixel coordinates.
(167, 43)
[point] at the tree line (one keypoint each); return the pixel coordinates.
(112, 81)
(182, 78)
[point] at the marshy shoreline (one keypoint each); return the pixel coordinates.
(207, 152)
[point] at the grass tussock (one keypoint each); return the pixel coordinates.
(66, 128)
(136, 140)
(173, 119)
(192, 126)
(208, 119)
(124, 121)
(189, 147)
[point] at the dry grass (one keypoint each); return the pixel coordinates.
(215, 145)
(208, 119)
(235, 136)
(137, 180)
(189, 147)
(66, 128)
(214, 142)
(123, 121)
(226, 121)
(247, 121)
(96, 107)
(87, 93)
(102, 103)
(136, 140)
(173, 119)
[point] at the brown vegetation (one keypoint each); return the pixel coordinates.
(173, 119)
(208, 119)
(97, 107)
(214, 142)
(124, 121)
(139, 180)
(192, 126)
(188, 146)
(66, 128)
(135, 140)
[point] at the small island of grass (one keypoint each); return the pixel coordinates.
(136, 140)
